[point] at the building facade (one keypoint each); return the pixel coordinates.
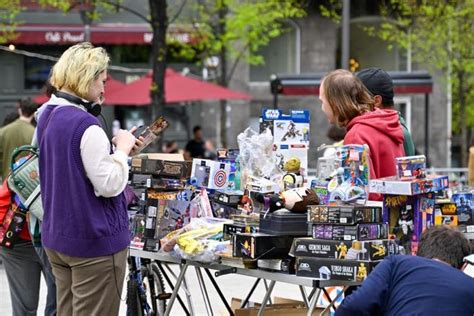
(312, 44)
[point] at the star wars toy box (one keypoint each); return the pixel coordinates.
(371, 250)
(464, 206)
(346, 214)
(163, 165)
(392, 185)
(290, 135)
(445, 213)
(210, 174)
(333, 269)
(261, 246)
(411, 167)
(349, 233)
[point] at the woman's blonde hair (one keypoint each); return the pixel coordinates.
(78, 67)
(346, 95)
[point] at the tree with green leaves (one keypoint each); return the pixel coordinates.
(439, 34)
(234, 31)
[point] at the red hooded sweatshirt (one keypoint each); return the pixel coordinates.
(381, 130)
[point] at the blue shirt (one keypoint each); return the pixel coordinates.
(410, 285)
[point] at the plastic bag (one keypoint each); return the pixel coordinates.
(256, 155)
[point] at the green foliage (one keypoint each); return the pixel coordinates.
(9, 9)
(240, 28)
(440, 35)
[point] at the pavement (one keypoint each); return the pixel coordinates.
(231, 285)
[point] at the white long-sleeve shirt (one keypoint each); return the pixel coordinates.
(107, 172)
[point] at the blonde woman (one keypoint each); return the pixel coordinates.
(85, 225)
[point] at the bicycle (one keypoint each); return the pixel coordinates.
(145, 284)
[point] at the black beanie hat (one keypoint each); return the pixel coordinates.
(378, 82)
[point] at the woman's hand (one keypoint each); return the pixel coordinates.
(124, 141)
(138, 142)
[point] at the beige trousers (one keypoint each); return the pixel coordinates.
(88, 286)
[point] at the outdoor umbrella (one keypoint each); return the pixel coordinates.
(178, 88)
(111, 86)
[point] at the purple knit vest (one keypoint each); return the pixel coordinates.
(76, 222)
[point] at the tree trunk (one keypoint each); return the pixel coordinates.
(223, 73)
(462, 122)
(159, 24)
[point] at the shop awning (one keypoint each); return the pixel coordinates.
(308, 84)
(111, 86)
(103, 33)
(178, 88)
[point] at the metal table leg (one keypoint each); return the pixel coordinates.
(219, 292)
(266, 298)
(332, 302)
(171, 285)
(204, 293)
(247, 298)
(313, 300)
(303, 294)
(176, 289)
(187, 292)
(266, 288)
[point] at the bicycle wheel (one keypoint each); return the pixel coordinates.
(159, 286)
(134, 304)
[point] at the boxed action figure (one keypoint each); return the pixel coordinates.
(348, 214)
(392, 185)
(261, 246)
(228, 197)
(333, 269)
(371, 250)
(210, 174)
(411, 167)
(278, 265)
(464, 205)
(156, 164)
(354, 232)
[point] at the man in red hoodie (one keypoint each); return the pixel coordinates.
(347, 103)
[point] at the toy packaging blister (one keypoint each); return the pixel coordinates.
(352, 174)
(290, 135)
(411, 167)
(464, 206)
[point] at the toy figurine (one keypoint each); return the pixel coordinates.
(379, 250)
(362, 272)
(342, 248)
(355, 250)
(405, 224)
(291, 133)
(292, 178)
(295, 200)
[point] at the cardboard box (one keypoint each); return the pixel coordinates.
(344, 214)
(371, 250)
(349, 233)
(261, 246)
(228, 197)
(210, 174)
(281, 307)
(391, 185)
(163, 168)
(334, 269)
(232, 229)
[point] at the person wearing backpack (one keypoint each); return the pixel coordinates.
(85, 223)
(23, 262)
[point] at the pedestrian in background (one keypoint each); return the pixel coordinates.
(195, 148)
(17, 133)
(24, 262)
(380, 84)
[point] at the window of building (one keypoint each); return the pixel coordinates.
(281, 55)
(36, 72)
